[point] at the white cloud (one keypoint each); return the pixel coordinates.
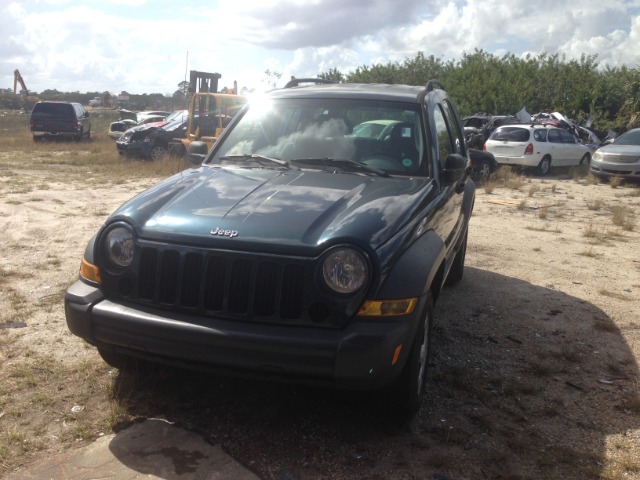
(142, 46)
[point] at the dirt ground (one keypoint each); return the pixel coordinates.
(534, 366)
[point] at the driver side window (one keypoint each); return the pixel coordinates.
(454, 132)
(443, 138)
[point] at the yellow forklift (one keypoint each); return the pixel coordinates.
(209, 111)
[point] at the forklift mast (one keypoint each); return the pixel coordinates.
(203, 81)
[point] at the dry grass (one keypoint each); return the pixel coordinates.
(508, 178)
(38, 392)
(615, 182)
(502, 392)
(595, 204)
(623, 216)
(80, 161)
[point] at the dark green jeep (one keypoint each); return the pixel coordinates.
(296, 249)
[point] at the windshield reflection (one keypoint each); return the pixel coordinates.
(376, 134)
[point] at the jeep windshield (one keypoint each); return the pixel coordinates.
(349, 136)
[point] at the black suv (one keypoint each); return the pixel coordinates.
(59, 119)
(295, 250)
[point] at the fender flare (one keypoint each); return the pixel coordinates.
(468, 199)
(415, 271)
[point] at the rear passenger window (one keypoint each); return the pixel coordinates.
(566, 137)
(554, 136)
(540, 135)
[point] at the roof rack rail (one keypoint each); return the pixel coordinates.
(294, 82)
(431, 84)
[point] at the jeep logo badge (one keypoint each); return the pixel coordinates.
(224, 233)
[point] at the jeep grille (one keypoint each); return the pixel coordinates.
(222, 284)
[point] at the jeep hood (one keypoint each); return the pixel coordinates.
(223, 207)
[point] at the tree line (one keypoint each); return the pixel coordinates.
(481, 82)
(478, 82)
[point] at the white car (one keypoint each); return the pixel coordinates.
(536, 146)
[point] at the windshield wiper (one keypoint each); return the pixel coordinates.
(261, 160)
(341, 164)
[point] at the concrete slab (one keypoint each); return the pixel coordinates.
(153, 449)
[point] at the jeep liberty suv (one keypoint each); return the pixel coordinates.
(59, 119)
(295, 250)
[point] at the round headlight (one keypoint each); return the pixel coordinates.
(120, 247)
(345, 270)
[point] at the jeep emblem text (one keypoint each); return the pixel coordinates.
(224, 233)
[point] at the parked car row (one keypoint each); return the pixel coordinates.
(549, 140)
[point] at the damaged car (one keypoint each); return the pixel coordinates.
(151, 141)
(129, 119)
(478, 128)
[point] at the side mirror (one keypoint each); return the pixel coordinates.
(197, 151)
(454, 168)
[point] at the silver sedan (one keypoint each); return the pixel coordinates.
(620, 158)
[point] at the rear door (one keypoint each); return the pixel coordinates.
(573, 150)
(557, 148)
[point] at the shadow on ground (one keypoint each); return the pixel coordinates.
(525, 383)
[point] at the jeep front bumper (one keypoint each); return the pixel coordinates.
(357, 357)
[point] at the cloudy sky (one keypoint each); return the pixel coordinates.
(146, 46)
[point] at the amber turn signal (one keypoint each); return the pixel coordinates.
(90, 272)
(387, 308)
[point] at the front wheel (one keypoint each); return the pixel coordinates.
(404, 395)
(157, 153)
(544, 166)
(177, 151)
(116, 360)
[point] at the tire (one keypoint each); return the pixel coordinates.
(586, 159)
(457, 267)
(89, 135)
(157, 153)
(544, 167)
(78, 137)
(116, 360)
(177, 151)
(403, 397)
(37, 138)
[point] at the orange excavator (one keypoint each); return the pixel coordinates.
(17, 78)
